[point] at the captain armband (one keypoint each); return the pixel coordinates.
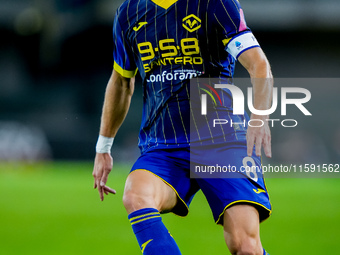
(237, 45)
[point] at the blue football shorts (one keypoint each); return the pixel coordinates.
(221, 191)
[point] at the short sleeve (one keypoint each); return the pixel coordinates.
(124, 62)
(237, 36)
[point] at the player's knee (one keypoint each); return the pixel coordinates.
(245, 246)
(130, 200)
(134, 201)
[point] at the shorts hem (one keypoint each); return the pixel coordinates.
(253, 203)
(178, 196)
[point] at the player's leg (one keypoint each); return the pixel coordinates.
(145, 196)
(159, 182)
(242, 230)
(239, 202)
(145, 190)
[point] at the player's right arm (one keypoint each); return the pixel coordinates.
(117, 100)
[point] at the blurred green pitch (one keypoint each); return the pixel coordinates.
(52, 208)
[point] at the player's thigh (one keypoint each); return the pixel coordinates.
(143, 189)
(242, 228)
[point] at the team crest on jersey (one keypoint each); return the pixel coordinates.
(191, 23)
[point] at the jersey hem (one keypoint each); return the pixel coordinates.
(146, 148)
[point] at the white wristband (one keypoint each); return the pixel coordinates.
(104, 144)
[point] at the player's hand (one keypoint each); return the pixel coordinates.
(102, 167)
(259, 136)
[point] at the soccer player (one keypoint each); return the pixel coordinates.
(170, 42)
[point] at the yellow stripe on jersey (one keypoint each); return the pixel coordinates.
(124, 73)
(164, 3)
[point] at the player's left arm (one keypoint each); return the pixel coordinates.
(256, 63)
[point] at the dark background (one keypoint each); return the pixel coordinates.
(56, 58)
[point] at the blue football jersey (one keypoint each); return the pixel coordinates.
(171, 42)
